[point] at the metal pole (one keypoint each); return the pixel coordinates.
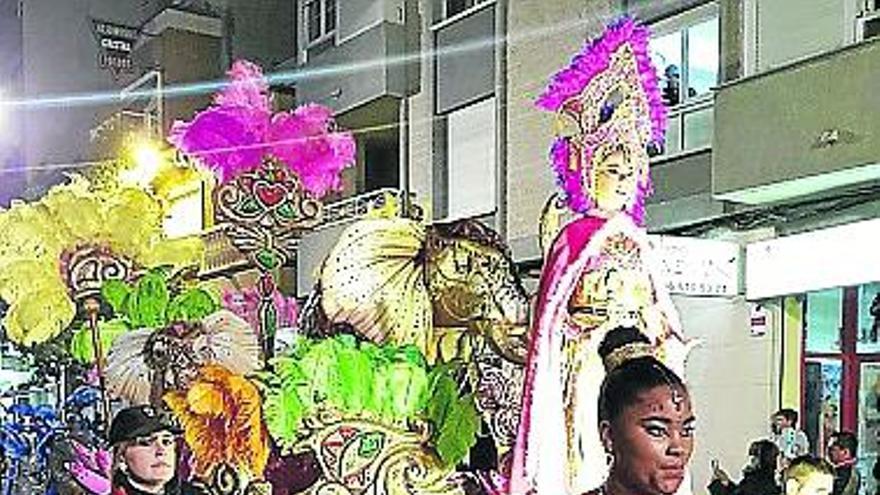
(404, 121)
(92, 306)
(160, 103)
(404, 156)
(501, 117)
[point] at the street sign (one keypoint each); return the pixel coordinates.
(115, 45)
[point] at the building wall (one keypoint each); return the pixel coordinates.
(264, 31)
(422, 142)
(12, 177)
(60, 58)
(543, 36)
(733, 379)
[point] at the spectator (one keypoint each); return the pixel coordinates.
(759, 477)
(842, 453)
(791, 441)
(671, 88)
(808, 475)
(145, 454)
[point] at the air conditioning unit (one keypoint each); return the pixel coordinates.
(868, 24)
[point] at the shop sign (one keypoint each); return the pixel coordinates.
(698, 267)
(834, 257)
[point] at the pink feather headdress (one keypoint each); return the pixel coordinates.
(616, 65)
(239, 129)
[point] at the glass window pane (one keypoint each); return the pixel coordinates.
(673, 135)
(869, 318)
(822, 401)
(666, 55)
(869, 422)
(698, 129)
(330, 16)
(702, 56)
(313, 16)
(457, 6)
(824, 320)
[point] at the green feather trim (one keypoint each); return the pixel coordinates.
(81, 347)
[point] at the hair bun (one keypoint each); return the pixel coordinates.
(622, 344)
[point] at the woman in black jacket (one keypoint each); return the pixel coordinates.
(759, 477)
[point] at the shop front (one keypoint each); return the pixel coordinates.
(828, 282)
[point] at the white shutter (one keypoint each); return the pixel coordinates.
(471, 160)
(788, 30)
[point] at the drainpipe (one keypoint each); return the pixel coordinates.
(404, 157)
(501, 117)
(404, 118)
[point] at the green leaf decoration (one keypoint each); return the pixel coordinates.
(81, 347)
(191, 305)
(148, 302)
(457, 434)
(116, 294)
(455, 419)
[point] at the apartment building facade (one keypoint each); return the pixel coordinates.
(767, 138)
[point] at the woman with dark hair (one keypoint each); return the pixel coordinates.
(645, 418)
(759, 477)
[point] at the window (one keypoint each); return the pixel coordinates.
(185, 214)
(685, 50)
(841, 368)
(868, 337)
(471, 160)
(321, 19)
(824, 320)
(454, 7)
(688, 58)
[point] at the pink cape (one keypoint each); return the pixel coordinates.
(540, 463)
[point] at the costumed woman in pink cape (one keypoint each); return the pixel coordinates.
(598, 274)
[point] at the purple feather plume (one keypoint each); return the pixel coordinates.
(235, 133)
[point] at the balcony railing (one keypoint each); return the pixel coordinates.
(200, 7)
(220, 254)
(359, 206)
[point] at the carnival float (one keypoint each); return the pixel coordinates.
(416, 361)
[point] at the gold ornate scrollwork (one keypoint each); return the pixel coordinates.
(265, 211)
(86, 269)
(360, 457)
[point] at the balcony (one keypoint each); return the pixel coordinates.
(682, 175)
(186, 15)
(799, 129)
(356, 71)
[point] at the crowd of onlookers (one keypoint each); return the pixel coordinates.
(782, 464)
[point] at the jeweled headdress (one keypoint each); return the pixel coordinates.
(606, 99)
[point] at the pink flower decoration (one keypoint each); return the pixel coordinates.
(246, 304)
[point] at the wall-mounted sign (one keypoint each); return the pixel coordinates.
(115, 45)
(759, 319)
(698, 267)
(833, 257)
